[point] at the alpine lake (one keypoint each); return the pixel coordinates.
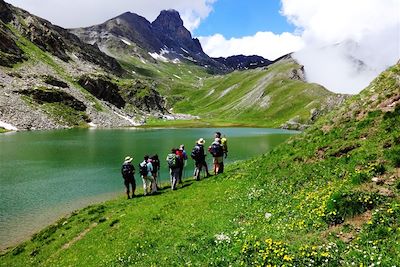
(45, 175)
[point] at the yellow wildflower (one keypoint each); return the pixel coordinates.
(287, 258)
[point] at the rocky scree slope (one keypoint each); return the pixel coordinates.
(45, 77)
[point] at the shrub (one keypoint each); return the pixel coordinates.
(393, 155)
(364, 174)
(347, 204)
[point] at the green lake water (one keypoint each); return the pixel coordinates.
(47, 174)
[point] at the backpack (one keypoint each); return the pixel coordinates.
(172, 160)
(143, 169)
(216, 150)
(127, 169)
(224, 144)
(195, 153)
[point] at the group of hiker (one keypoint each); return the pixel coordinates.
(149, 168)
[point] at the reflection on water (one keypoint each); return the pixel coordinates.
(45, 175)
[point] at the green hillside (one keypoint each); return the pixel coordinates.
(264, 97)
(327, 197)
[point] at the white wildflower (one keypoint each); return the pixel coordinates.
(222, 238)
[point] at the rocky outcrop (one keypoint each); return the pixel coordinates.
(48, 79)
(5, 12)
(48, 95)
(144, 97)
(103, 89)
(138, 95)
(10, 53)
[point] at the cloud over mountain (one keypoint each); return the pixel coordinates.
(75, 13)
(347, 43)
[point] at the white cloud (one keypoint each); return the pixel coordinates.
(347, 42)
(76, 13)
(265, 44)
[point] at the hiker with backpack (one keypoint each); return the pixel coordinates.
(173, 165)
(128, 172)
(199, 158)
(217, 152)
(156, 169)
(224, 143)
(182, 161)
(146, 169)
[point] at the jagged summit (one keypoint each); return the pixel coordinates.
(169, 27)
(169, 18)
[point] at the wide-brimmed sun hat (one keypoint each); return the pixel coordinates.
(201, 141)
(128, 159)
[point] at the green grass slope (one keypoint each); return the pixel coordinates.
(328, 197)
(262, 97)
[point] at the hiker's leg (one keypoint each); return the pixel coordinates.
(153, 185)
(126, 183)
(221, 167)
(175, 174)
(144, 185)
(133, 186)
(171, 178)
(206, 167)
(180, 173)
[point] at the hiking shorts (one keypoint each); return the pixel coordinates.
(218, 160)
(129, 180)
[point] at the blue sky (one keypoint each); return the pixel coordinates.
(234, 18)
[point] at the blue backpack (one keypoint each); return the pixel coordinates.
(217, 150)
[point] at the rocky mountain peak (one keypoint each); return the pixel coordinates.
(168, 20)
(169, 27)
